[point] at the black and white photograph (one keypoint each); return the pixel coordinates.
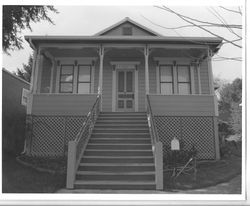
(134, 101)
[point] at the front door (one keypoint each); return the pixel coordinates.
(125, 91)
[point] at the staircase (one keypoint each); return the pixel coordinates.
(118, 155)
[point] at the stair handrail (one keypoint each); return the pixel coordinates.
(156, 146)
(77, 146)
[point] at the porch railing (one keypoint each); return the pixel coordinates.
(156, 147)
(77, 146)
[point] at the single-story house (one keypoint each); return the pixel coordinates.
(112, 103)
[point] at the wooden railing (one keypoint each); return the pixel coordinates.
(156, 147)
(77, 146)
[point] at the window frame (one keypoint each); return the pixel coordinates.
(190, 79)
(90, 77)
(172, 72)
(72, 82)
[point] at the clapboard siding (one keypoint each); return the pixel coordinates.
(96, 80)
(107, 87)
(62, 104)
(141, 88)
(204, 78)
(152, 76)
(196, 83)
(182, 105)
(46, 76)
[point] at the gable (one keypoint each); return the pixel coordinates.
(127, 27)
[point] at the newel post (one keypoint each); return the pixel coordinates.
(71, 165)
(159, 165)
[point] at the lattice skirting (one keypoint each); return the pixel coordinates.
(192, 131)
(49, 135)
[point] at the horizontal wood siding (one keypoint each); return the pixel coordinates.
(46, 76)
(182, 105)
(107, 86)
(204, 78)
(62, 104)
(196, 83)
(141, 88)
(96, 81)
(152, 76)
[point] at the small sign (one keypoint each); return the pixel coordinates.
(24, 99)
(175, 144)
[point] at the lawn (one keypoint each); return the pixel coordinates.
(209, 173)
(17, 178)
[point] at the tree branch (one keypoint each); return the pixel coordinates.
(231, 10)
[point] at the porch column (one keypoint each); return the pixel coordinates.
(146, 53)
(101, 55)
(210, 72)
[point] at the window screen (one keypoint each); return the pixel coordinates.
(66, 78)
(84, 79)
(127, 31)
(184, 82)
(166, 79)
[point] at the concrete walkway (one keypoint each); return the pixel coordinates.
(231, 187)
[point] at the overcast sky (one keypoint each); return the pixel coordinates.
(88, 20)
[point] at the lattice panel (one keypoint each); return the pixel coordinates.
(197, 131)
(48, 136)
(73, 125)
(51, 134)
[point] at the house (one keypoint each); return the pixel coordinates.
(14, 100)
(118, 98)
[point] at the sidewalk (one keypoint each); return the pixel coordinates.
(231, 187)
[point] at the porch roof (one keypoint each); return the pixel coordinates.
(213, 42)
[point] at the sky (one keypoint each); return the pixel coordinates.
(88, 20)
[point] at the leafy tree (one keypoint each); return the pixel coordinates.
(235, 118)
(25, 72)
(230, 93)
(17, 18)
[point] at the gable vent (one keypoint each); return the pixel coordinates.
(127, 31)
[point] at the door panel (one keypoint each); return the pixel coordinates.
(125, 91)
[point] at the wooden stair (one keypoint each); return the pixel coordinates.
(118, 155)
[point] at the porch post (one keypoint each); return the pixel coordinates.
(146, 53)
(100, 90)
(210, 72)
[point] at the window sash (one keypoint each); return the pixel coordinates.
(166, 81)
(84, 81)
(184, 81)
(63, 81)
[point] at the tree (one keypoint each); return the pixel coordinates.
(208, 26)
(18, 18)
(235, 118)
(25, 72)
(229, 94)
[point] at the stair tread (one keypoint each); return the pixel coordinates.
(121, 150)
(112, 144)
(114, 173)
(116, 164)
(118, 133)
(119, 138)
(110, 182)
(118, 157)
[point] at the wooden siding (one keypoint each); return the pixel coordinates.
(107, 86)
(62, 104)
(45, 76)
(183, 105)
(196, 83)
(152, 76)
(204, 78)
(136, 31)
(141, 88)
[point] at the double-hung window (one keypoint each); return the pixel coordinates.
(166, 79)
(66, 78)
(84, 79)
(184, 80)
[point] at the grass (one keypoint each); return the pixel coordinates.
(17, 178)
(208, 174)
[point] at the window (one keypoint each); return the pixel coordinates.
(184, 80)
(66, 78)
(24, 99)
(166, 79)
(84, 79)
(127, 31)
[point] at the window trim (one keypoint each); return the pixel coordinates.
(172, 72)
(72, 82)
(190, 78)
(90, 77)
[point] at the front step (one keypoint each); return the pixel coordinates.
(118, 155)
(115, 185)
